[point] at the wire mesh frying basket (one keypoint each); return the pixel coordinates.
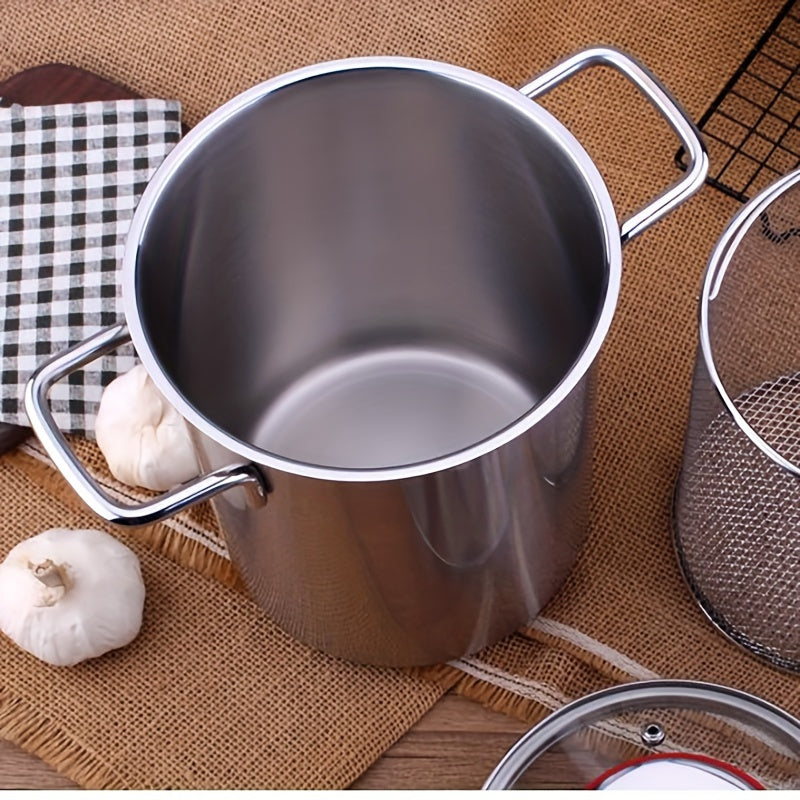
(736, 514)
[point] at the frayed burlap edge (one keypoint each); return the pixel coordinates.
(509, 702)
(28, 729)
(501, 700)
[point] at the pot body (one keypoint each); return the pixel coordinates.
(378, 287)
(421, 569)
(366, 275)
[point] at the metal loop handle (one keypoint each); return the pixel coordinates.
(655, 92)
(56, 446)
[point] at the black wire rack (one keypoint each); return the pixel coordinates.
(752, 129)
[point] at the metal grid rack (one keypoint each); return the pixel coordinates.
(752, 129)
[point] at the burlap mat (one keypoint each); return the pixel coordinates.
(210, 695)
(624, 613)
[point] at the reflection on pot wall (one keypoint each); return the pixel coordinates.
(424, 569)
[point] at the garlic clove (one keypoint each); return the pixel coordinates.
(167, 455)
(70, 595)
(144, 439)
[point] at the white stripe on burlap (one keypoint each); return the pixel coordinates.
(608, 654)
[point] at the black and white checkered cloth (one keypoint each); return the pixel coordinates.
(70, 178)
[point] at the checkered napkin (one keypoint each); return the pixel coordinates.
(70, 178)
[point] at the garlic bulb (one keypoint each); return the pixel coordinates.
(69, 595)
(144, 439)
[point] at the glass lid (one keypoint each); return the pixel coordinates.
(662, 735)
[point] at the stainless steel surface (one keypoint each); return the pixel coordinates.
(421, 569)
(653, 734)
(737, 501)
(384, 281)
(696, 155)
(394, 207)
(420, 205)
(752, 727)
(204, 487)
(392, 405)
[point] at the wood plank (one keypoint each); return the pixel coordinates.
(60, 83)
(454, 746)
(19, 770)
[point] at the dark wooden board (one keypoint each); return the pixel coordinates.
(60, 83)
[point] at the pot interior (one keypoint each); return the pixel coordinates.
(371, 268)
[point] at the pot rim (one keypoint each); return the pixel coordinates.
(523, 105)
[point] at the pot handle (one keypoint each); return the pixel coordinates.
(655, 92)
(56, 446)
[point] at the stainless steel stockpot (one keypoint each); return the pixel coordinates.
(375, 288)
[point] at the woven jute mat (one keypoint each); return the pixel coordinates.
(212, 694)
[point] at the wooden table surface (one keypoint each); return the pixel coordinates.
(454, 746)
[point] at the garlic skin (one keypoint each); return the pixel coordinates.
(69, 595)
(144, 439)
